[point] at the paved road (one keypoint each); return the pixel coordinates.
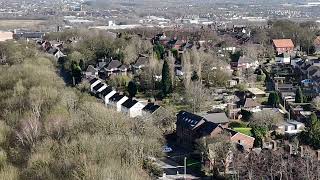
(171, 168)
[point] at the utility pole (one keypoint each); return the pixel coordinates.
(185, 167)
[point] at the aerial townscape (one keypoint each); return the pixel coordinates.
(172, 89)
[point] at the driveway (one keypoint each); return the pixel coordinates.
(173, 170)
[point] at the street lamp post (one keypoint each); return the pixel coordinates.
(185, 167)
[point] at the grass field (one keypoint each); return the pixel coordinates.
(12, 24)
(246, 131)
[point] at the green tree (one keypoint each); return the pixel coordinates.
(159, 50)
(299, 96)
(76, 72)
(259, 133)
(166, 79)
(314, 131)
(194, 76)
(273, 99)
(132, 89)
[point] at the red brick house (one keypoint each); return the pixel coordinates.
(283, 45)
(239, 138)
(191, 127)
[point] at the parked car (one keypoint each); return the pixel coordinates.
(166, 149)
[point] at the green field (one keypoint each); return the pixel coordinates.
(246, 131)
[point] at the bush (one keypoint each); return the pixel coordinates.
(152, 168)
(237, 125)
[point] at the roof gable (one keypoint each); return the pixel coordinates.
(92, 81)
(129, 103)
(98, 86)
(116, 97)
(283, 43)
(151, 108)
(250, 103)
(92, 69)
(189, 120)
(113, 65)
(106, 91)
(217, 118)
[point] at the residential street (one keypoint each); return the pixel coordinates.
(171, 168)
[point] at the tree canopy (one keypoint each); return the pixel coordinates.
(166, 81)
(273, 99)
(299, 96)
(50, 131)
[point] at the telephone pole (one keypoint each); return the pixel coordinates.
(185, 167)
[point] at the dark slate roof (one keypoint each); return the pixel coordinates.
(306, 67)
(52, 50)
(91, 69)
(98, 86)
(129, 103)
(188, 120)
(113, 65)
(106, 91)
(93, 80)
(30, 35)
(244, 59)
(317, 61)
(116, 97)
(217, 118)
(299, 63)
(207, 128)
(312, 72)
(250, 103)
(151, 107)
(141, 61)
(123, 67)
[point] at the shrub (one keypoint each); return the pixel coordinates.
(152, 168)
(237, 125)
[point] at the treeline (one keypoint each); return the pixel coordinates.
(302, 34)
(50, 131)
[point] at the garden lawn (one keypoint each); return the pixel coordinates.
(246, 131)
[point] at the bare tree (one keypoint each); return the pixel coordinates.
(266, 118)
(218, 151)
(197, 96)
(316, 102)
(186, 67)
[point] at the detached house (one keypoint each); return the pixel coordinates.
(141, 62)
(241, 139)
(250, 104)
(116, 101)
(132, 107)
(113, 67)
(91, 72)
(244, 62)
(283, 45)
(191, 127)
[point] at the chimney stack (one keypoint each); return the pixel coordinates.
(318, 155)
(301, 151)
(274, 145)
